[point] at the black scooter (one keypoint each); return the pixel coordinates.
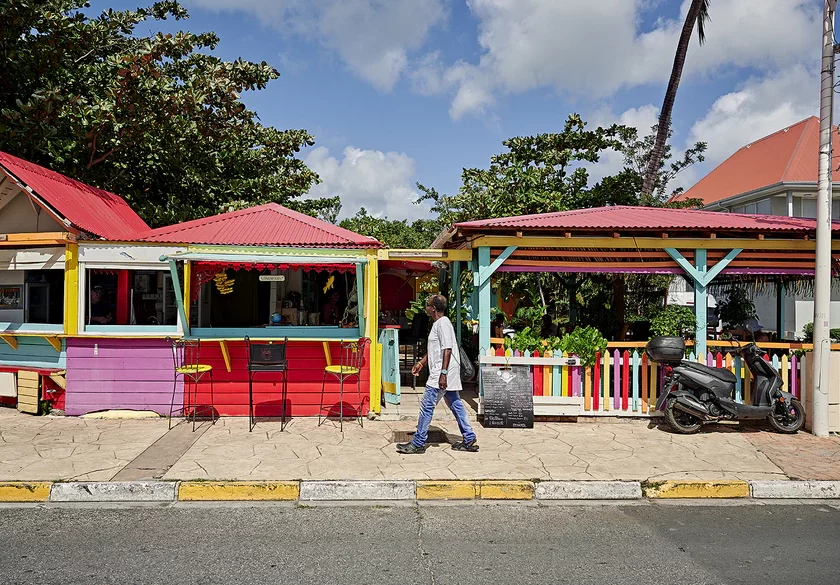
(694, 394)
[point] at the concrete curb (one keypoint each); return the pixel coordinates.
(114, 491)
(795, 489)
(588, 490)
(408, 490)
(332, 491)
(673, 489)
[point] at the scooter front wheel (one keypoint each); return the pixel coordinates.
(788, 421)
(681, 422)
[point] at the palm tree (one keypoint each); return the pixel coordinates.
(699, 13)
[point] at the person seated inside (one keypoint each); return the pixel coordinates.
(499, 325)
(330, 314)
(100, 311)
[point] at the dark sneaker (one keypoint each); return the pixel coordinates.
(409, 448)
(471, 447)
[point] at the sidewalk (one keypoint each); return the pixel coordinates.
(77, 449)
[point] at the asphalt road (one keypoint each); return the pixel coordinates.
(599, 544)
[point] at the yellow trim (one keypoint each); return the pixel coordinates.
(59, 379)
(327, 355)
(53, 341)
(187, 294)
(37, 239)
(10, 339)
(371, 301)
(71, 289)
(410, 254)
(698, 489)
(20, 491)
(225, 353)
(629, 243)
(238, 491)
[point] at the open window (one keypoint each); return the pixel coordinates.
(132, 300)
(32, 300)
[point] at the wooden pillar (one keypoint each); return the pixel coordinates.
(780, 310)
(71, 289)
(369, 308)
(456, 283)
(123, 297)
(483, 263)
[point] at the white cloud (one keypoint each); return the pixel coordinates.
(593, 49)
(760, 107)
(373, 37)
(381, 182)
(612, 162)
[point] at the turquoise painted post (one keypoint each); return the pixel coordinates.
(456, 282)
(780, 311)
(737, 363)
(483, 300)
(700, 302)
(179, 297)
(634, 371)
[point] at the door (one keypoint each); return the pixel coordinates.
(38, 303)
(388, 339)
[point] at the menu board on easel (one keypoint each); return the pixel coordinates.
(508, 397)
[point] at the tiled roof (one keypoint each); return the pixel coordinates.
(263, 225)
(787, 156)
(87, 208)
(622, 217)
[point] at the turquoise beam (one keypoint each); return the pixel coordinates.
(179, 296)
(700, 302)
(485, 272)
(456, 283)
(360, 296)
(705, 277)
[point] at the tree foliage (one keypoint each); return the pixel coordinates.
(158, 119)
(394, 233)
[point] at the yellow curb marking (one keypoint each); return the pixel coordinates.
(446, 490)
(24, 491)
(238, 490)
(698, 489)
(505, 490)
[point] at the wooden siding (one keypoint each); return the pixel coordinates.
(34, 353)
(138, 374)
(133, 374)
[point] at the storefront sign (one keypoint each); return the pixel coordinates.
(508, 397)
(272, 278)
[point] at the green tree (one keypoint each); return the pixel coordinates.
(698, 13)
(394, 233)
(158, 119)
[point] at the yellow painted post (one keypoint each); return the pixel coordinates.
(187, 290)
(587, 388)
(606, 381)
(371, 313)
(747, 385)
(71, 289)
(654, 385)
(564, 378)
(547, 375)
(785, 366)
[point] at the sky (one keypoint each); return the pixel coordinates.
(404, 91)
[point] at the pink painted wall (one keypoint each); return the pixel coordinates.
(134, 374)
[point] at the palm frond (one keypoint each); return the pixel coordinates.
(702, 18)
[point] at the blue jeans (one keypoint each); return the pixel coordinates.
(427, 408)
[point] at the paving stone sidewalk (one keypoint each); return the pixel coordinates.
(65, 448)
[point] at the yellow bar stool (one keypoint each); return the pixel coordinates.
(185, 357)
(351, 365)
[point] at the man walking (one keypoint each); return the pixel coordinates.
(442, 356)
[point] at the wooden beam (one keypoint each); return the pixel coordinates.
(586, 254)
(59, 379)
(485, 273)
(53, 341)
(585, 264)
(11, 340)
(425, 255)
(631, 243)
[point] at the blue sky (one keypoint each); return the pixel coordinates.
(401, 91)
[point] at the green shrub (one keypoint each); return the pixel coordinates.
(673, 320)
(808, 331)
(584, 342)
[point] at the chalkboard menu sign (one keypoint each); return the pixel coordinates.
(508, 397)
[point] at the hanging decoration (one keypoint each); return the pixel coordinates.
(330, 283)
(223, 284)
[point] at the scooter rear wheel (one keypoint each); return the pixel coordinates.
(681, 422)
(787, 423)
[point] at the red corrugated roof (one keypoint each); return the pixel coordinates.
(787, 156)
(625, 217)
(263, 225)
(89, 209)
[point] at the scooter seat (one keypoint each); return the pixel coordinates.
(721, 374)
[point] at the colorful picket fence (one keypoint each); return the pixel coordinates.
(627, 382)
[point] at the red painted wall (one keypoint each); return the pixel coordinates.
(306, 372)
